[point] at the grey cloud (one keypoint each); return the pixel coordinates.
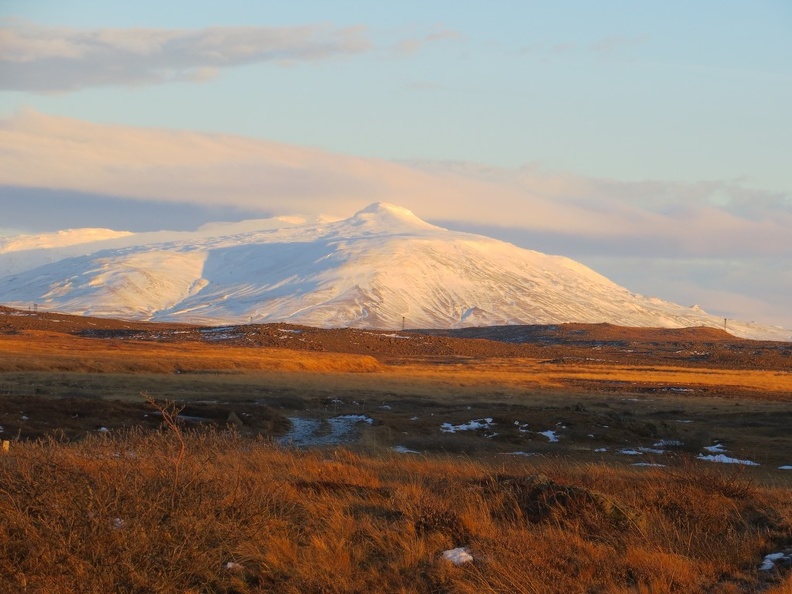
(37, 210)
(55, 59)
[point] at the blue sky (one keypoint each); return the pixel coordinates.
(663, 125)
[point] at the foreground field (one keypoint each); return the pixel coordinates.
(592, 459)
(126, 513)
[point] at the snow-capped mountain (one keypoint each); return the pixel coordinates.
(374, 270)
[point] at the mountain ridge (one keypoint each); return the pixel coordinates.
(380, 268)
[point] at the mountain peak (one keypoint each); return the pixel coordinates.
(386, 208)
(384, 216)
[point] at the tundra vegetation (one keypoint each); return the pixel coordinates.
(585, 466)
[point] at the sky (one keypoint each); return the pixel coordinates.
(648, 140)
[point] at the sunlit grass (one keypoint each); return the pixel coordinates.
(102, 515)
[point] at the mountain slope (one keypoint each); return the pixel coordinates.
(372, 270)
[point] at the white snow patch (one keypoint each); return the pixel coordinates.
(648, 464)
(726, 460)
(669, 443)
(769, 561)
(355, 418)
(630, 452)
(458, 556)
(404, 450)
(550, 435)
(785, 468)
(718, 448)
(640, 450)
(651, 451)
(473, 425)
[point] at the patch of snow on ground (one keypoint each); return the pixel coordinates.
(651, 451)
(779, 468)
(521, 427)
(769, 561)
(648, 464)
(519, 453)
(718, 448)
(640, 450)
(473, 425)
(726, 460)
(354, 418)
(630, 452)
(458, 556)
(550, 435)
(404, 450)
(668, 443)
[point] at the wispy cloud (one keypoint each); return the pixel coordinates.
(413, 44)
(707, 218)
(56, 59)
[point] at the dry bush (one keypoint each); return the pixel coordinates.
(102, 515)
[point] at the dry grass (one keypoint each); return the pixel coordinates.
(36, 350)
(533, 373)
(101, 515)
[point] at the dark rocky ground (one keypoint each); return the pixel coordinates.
(579, 343)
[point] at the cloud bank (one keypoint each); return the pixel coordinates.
(720, 222)
(704, 219)
(44, 59)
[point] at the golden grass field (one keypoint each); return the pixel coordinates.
(112, 514)
(96, 497)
